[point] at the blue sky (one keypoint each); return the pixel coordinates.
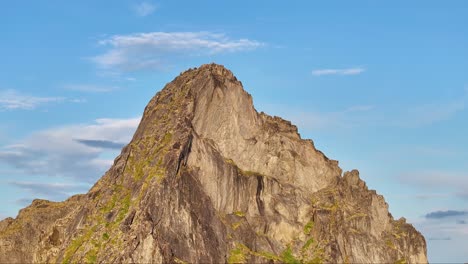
(379, 86)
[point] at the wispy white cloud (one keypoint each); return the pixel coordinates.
(439, 238)
(13, 100)
(421, 196)
(352, 116)
(359, 108)
(52, 191)
(443, 236)
(427, 196)
(347, 71)
(90, 88)
(430, 151)
(144, 9)
(60, 152)
(445, 214)
(103, 144)
(409, 116)
(454, 183)
(78, 100)
(427, 114)
(153, 50)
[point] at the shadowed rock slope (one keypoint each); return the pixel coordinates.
(206, 178)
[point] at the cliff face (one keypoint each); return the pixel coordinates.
(206, 178)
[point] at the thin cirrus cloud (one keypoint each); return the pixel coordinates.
(440, 238)
(144, 9)
(428, 114)
(90, 88)
(347, 71)
(14, 100)
(56, 152)
(52, 191)
(453, 183)
(105, 144)
(445, 214)
(153, 50)
(420, 115)
(358, 116)
(352, 116)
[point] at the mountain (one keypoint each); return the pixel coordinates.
(206, 178)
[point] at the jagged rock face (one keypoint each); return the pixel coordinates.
(208, 179)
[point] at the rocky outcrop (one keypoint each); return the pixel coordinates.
(206, 178)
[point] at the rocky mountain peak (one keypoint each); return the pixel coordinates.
(206, 178)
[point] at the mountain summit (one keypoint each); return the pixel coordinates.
(206, 178)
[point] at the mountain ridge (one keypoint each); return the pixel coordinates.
(206, 178)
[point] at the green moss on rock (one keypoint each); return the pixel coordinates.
(288, 257)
